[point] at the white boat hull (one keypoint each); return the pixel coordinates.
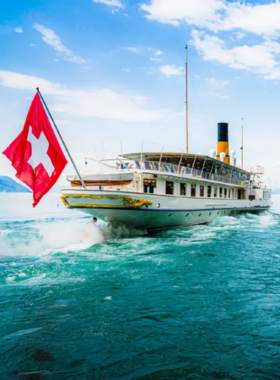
(154, 211)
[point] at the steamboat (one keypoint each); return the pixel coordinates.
(156, 190)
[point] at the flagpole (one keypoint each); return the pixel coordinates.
(61, 138)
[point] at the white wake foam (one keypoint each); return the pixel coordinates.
(48, 237)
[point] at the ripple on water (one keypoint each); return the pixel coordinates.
(198, 302)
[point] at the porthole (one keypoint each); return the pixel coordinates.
(209, 213)
(199, 214)
(170, 214)
(218, 212)
(187, 215)
(158, 205)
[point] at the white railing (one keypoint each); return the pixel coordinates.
(180, 170)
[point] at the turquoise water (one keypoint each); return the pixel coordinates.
(191, 303)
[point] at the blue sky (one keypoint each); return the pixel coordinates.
(113, 70)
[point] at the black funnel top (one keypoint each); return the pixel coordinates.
(223, 132)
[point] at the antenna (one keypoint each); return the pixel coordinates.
(242, 141)
(187, 105)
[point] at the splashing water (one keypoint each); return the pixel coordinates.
(87, 301)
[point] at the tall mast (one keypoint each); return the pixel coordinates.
(242, 141)
(187, 105)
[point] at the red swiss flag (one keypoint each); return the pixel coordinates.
(35, 153)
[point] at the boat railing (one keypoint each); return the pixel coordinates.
(183, 171)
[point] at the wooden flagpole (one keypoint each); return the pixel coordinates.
(61, 138)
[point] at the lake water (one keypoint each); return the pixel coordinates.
(77, 302)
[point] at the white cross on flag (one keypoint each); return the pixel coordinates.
(36, 153)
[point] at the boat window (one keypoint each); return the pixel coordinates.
(215, 192)
(169, 188)
(209, 191)
(202, 191)
(193, 190)
(225, 192)
(239, 194)
(156, 166)
(150, 185)
(229, 193)
(221, 192)
(182, 189)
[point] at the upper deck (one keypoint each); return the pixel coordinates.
(189, 165)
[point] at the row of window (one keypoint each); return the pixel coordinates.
(223, 192)
(150, 187)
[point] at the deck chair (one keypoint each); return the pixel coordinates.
(172, 169)
(156, 165)
(165, 168)
(137, 165)
(147, 165)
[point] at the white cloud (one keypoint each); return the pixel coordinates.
(215, 15)
(239, 35)
(52, 39)
(262, 19)
(111, 3)
(155, 56)
(18, 30)
(149, 69)
(170, 70)
(26, 82)
(133, 49)
(126, 70)
(200, 13)
(88, 103)
(220, 84)
(156, 53)
(215, 94)
(260, 59)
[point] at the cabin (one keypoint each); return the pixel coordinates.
(187, 175)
